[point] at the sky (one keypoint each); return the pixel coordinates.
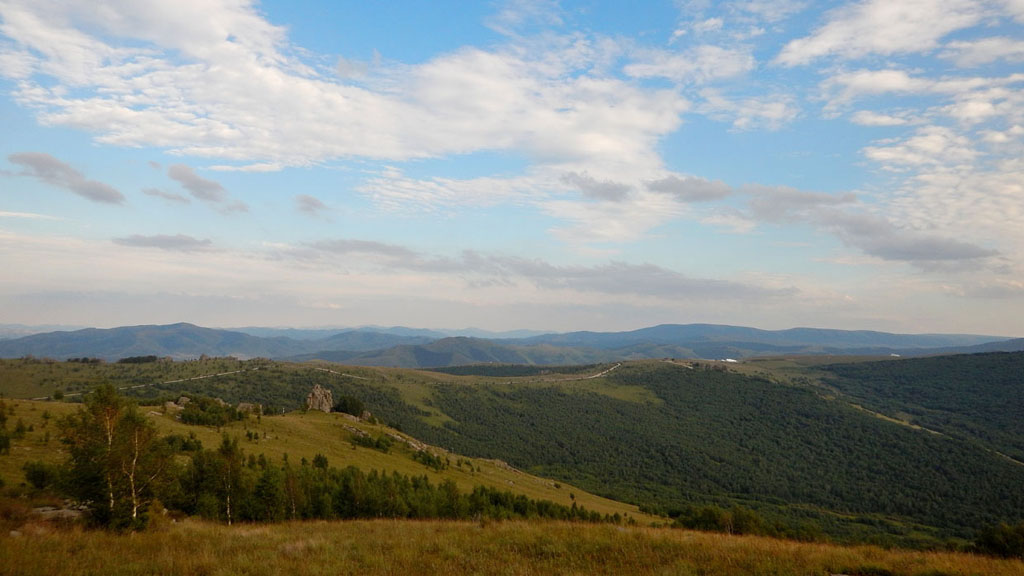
(505, 165)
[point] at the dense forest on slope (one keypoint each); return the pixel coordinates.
(660, 434)
(978, 396)
(718, 435)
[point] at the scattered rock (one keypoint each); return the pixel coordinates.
(355, 431)
(51, 513)
(249, 408)
(320, 399)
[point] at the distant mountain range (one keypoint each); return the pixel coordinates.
(416, 348)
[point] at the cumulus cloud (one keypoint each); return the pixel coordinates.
(52, 171)
(176, 243)
(226, 88)
(883, 27)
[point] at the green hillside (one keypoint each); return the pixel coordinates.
(978, 397)
(300, 437)
(810, 455)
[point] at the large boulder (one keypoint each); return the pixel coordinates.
(320, 399)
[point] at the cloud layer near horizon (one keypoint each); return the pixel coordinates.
(584, 133)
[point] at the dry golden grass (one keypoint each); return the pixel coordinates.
(420, 547)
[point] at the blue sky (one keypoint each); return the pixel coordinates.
(506, 165)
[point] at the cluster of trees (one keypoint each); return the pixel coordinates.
(139, 359)
(223, 485)
(119, 466)
(204, 411)
(349, 405)
(86, 360)
(735, 520)
(1002, 540)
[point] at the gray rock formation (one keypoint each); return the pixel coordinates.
(320, 399)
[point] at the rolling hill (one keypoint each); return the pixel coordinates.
(818, 450)
(414, 348)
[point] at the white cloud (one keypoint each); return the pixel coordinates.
(883, 27)
(977, 52)
(930, 145)
(611, 222)
(772, 11)
(709, 25)
(845, 87)
(215, 80)
(28, 216)
(870, 118)
(698, 65)
(770, 111)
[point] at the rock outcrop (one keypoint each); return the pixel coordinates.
(320, 399)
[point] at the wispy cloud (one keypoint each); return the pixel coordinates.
(204, 189)
(482, 269)
(28, 216)
(201, 188)
(52, 171)
(310, 205)
(596, 189)
(175, 243)
(169, 196)
(883, 27)
(690, 189)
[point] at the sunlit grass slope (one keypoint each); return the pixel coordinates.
(303, 435)
(429, 547)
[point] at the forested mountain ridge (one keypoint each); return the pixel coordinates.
(414, 348)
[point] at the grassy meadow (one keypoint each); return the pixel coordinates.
(433, 547)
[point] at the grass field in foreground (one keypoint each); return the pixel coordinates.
(433, 547)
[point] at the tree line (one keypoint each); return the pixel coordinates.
(119, 467)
